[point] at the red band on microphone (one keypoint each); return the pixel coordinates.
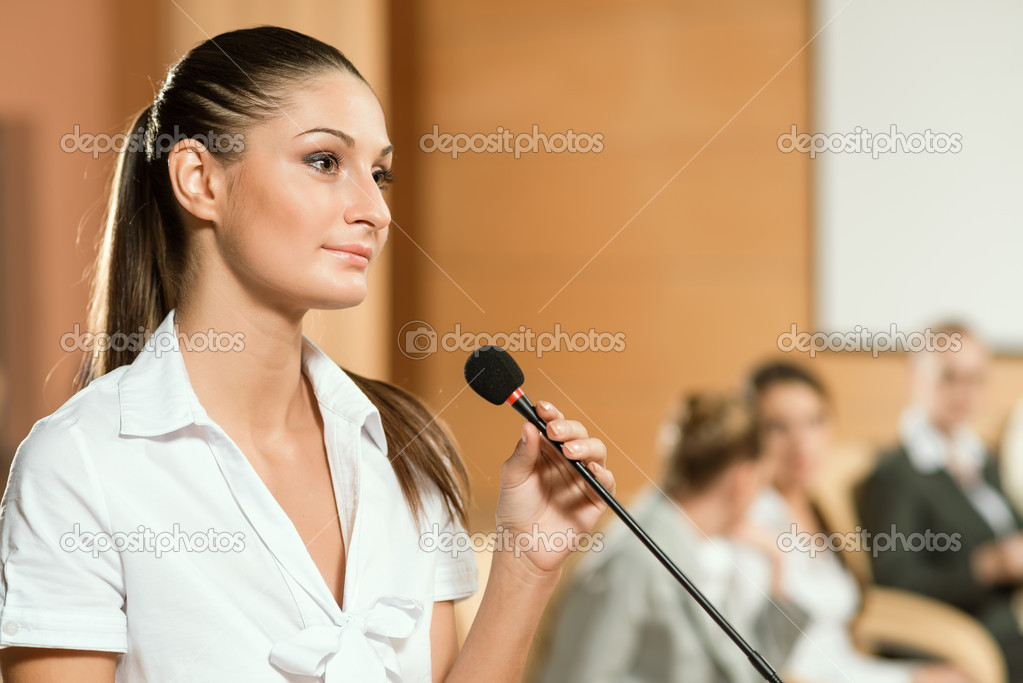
(515, 396)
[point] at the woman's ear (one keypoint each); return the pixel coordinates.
(195, 177)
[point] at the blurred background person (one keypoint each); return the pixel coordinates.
(623, 617)
(1011, 457)
(793, 413)
(941, 478)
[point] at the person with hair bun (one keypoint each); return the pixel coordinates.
(219, 500)
(623, 617)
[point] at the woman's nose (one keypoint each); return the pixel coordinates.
(368, 206)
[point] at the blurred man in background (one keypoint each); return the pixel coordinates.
(954, 536)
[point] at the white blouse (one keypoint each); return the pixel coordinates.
(132, 523)
(828, 593)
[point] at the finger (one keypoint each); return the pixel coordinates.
(604, 476)
(588, 450)
(523, 459)
(548, 412)
(565, 430)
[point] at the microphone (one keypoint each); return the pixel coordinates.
(493, 374)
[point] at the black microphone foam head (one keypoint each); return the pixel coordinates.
(493, 373)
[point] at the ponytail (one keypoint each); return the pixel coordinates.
(137, 268)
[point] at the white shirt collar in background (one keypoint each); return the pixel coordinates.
(927, 447)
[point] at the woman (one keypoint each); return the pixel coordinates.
(625, 619)
(257, 513)
(793, 409)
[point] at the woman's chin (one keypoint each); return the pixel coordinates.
(346, 298)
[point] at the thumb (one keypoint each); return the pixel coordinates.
(523, 459)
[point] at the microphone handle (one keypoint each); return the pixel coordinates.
(525, 408)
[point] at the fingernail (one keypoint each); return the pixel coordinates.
(574, 447)
(524, 433)
(545, 405)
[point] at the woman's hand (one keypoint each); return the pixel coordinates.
(999, 562)
(766, 542)
(539, 487)
(939, 673)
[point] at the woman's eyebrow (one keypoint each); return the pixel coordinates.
(344, 137)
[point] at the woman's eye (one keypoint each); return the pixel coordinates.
(383, 177)
(324, 163)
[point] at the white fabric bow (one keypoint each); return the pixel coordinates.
(358, 649)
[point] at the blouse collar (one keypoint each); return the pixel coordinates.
(156, 396)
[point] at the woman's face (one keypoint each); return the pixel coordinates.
(303, 215)
(795, 432)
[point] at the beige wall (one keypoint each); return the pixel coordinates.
(45, 93)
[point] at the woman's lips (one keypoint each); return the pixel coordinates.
(358, 256)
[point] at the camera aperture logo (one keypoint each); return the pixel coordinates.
(418, 340)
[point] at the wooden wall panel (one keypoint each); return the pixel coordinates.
(702, 280)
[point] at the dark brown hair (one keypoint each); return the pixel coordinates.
(773, 373)
(707, 434)
(227, 84)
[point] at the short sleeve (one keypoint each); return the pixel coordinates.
(456, 575)
(57, 588)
